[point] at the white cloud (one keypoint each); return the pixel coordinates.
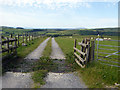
(47, 21)
(52, 3)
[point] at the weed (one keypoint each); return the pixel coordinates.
(38, 76)
(44, 63)
(41, 68)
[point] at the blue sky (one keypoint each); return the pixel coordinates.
(59, 13)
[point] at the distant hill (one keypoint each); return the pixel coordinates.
(62, 31)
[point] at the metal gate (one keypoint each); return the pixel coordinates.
(108, 52)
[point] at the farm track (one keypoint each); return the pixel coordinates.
(18, 78)
(37, 53)
(56, 51)
(62, 77)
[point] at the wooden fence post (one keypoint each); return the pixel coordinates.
(29, 36)
(8, 44)
(15, 45)
(32, 37)
(11, 38)
(18, 39)
(23, 38)
(26, 36)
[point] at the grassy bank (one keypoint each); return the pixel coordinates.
(47, 51)
(95, 75)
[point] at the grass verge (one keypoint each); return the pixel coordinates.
(47, 51)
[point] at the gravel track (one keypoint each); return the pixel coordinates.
(56, 51)
(62, 77)
(63, 80)
(54, 79)
(37, 53)
(17, 78)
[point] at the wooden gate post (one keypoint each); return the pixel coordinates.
(87, 52)
(82, 48)
(75, 44)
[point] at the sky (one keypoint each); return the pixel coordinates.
(59, 13)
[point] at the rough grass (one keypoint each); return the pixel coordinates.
(97, 75)
(44, 63)
(38, 78)
(47, 51)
